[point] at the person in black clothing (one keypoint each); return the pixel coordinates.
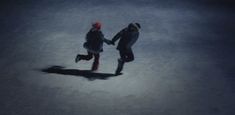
(94, 45)
(128, 36)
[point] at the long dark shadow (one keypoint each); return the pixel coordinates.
(80, 73)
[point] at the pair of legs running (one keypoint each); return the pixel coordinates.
(125, 56)
(89, 56)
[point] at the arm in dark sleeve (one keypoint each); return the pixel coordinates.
(104, 39)
(117, 36)
(133, 40)
(107, 41)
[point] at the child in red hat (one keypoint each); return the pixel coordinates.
(94, 45)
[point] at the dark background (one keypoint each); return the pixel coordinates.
(184, 59)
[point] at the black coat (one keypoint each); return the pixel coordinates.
(127, 39)
(94, 41)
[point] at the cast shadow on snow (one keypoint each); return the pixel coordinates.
(80, 73)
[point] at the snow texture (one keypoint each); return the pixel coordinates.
(184, 58)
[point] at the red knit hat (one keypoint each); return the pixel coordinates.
(97, 25)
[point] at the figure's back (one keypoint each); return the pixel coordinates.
(94, 40)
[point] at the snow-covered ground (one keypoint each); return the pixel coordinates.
(184, 59)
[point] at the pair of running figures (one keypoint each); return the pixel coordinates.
(94, 45)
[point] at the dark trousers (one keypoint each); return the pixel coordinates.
(126, 56)
(89, 56)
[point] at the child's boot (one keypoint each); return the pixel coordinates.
(95, 66)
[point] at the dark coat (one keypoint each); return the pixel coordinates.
(127, 39)
(94, 41)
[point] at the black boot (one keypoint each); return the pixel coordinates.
(120, 67)
(78, 58)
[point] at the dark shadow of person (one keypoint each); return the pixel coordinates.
(82, 73)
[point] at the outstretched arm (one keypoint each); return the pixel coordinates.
(107, 41)
(104, 39)
(117, 36)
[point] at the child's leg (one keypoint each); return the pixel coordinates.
(83, 57)
(86, 57)
(95, 64)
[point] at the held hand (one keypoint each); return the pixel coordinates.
(111, 42)
(108, 42)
